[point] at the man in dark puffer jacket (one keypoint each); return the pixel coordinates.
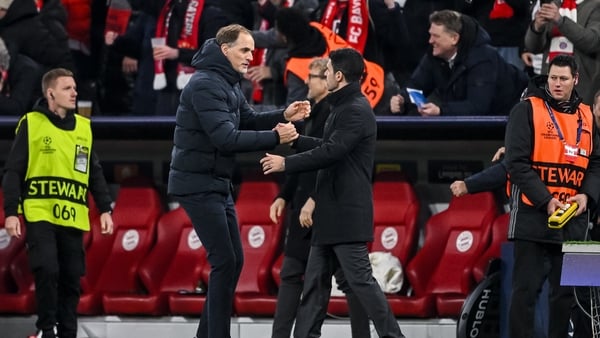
(210, 119)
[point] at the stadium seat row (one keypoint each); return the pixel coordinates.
(154, 264)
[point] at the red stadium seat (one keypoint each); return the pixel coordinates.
(23, 300)
(262, 242)
(440, 274)
(186, 272)
(499, 236)
(135, 215)
(153, 269)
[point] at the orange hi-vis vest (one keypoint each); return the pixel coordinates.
(373, 81)
(562, 174)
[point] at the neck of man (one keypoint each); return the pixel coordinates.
(56, 110)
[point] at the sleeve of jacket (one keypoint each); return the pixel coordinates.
(266, 120)
(347, 134)
(488, 179)
(98, 186)
(210, 106)
(591, 181)
(15, 170)
(519, 146)
(536, 42)
(584, 38)
(44, 47)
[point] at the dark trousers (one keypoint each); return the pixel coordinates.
(215, 222)
(289, 295)
(57, 260)
(353, 258)
(533, 264)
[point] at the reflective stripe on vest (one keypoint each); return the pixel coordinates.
(562, 177)
(56, 183)
(371, 85)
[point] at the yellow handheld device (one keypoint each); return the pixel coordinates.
(561, 216)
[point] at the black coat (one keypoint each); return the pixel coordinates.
(345, 158)
(298, 188)
(477, 83)
(24, 32)
(210, 119)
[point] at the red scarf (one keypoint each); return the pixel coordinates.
(188, 38)
(357, 18)
(501, 10)
(39, 4)
(559, 44)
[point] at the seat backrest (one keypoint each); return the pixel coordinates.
(454, 240)
(9, 249)
(396, 210)
(499, 236)
(185, 270)
(136, 213)
(168, 236)
(261, 239)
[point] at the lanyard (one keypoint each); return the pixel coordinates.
(560, 134)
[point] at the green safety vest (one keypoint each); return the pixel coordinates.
(56, 183)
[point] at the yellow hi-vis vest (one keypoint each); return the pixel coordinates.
(56, 182)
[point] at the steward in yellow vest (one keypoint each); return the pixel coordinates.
(50, 168)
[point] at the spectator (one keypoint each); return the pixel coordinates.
(135, 50)
(185, 27)
(572, 28)
(294, 193)
(19, 80)
(506, 23)
(52, 148)
(462, 74)
(553, 158)
(24, 32)
(213, 123)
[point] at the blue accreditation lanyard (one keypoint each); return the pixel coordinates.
(571, 152)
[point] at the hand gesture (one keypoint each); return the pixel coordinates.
(396, 104)
(554, 205)
(258, 73)
(165, 52)
(459, 188)
(272, 163)
(297, 111)
(501, 151)
(306, 213)
(287, 132)
(12, 224)
(276, 209)
(581, 200)
(106, 223)
(429, 109)
(110, 37)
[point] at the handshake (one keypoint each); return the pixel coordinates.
(287, 132)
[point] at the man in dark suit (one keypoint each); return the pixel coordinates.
(342, 200)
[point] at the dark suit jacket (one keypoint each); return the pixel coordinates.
(344, 158)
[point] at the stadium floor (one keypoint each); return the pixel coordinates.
(185, 327)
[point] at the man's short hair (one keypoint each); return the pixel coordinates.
(564, 60)
(451, 20)
(349, 62)
(319, 64)
(229, 34)
(49, 79)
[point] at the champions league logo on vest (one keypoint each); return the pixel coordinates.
(47, 147)
(550, 134)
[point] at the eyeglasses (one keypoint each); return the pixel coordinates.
(316, 76)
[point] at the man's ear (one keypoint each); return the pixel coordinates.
(576, 78)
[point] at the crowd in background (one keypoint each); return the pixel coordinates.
(482, 58)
